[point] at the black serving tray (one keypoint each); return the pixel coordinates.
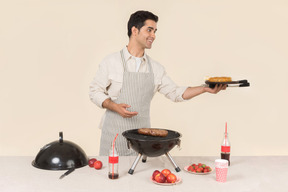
(240, 83)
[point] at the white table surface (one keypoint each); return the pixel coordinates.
(257, 174)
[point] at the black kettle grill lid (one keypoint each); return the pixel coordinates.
(60, 155)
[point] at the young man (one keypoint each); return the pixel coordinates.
(127, 81)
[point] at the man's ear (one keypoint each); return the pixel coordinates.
(134, 30)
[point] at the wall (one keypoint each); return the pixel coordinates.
(50, 51)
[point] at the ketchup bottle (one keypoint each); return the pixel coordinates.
(113, 161)
(225, 147)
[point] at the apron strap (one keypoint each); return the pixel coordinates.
(149, 64)
(123, 60)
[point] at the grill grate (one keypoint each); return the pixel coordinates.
(133, 134)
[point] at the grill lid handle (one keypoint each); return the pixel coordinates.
(60, 137)
(178, 144)
(129, 144)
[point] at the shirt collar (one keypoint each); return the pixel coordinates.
(128, 56)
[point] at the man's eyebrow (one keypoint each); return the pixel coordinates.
(152, 28)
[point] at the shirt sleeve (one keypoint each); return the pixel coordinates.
(171, 90)
(167, 87)
(98, 87)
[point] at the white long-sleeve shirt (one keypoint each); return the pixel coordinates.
(108, 80)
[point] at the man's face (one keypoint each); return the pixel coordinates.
(146, 35)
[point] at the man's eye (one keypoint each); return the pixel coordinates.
(149, 30)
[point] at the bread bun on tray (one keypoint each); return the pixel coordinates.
(220, 79)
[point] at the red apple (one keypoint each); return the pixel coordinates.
(91, 162)
(171, 178)
(155, 173)
(160, 178)
(165, 172)
(97, 164)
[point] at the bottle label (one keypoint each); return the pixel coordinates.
(113, 159)
(225, 149)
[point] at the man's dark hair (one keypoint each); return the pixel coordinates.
(138, 19)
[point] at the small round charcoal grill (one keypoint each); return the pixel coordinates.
(150, 146)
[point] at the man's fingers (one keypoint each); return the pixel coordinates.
(129, 114)
(124, 111)
(219, 87)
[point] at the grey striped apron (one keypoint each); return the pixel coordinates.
(137, 91)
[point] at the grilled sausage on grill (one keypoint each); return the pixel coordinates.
(153, 132)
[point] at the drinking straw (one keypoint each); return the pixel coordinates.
(114, 143)
(226, 134)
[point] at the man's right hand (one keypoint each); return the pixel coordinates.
(121, 108)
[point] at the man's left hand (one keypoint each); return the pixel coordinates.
(216, 89)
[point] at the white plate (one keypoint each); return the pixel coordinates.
(186, 169)
(179, 180)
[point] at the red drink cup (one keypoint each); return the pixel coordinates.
(221, 166)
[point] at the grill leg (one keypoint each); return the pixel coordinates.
(171, 160)
(144, 158)
(131, 171)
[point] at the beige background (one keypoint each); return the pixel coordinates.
(50, 51)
